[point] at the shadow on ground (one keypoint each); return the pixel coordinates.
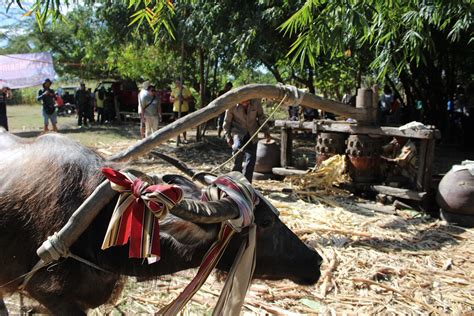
(125, 131)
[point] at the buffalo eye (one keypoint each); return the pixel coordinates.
(266, 222)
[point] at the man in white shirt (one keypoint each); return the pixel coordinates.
(141, 94)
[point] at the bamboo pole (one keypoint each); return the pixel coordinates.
(219, 105)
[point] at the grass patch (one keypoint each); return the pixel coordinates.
(27, 121)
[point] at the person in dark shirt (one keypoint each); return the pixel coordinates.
(49, 110)
(5, 93)
(91, 106)
(82, 104)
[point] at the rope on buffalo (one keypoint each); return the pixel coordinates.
(41, 264)
(294, 100)
(235, 186)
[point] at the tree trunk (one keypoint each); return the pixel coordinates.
(181, 78)
(274, 71)
(214, 78)
(395, 90)
(201, 88)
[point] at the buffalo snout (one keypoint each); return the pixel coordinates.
(311, 270)
(282, 255)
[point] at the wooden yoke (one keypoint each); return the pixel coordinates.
(222, 103)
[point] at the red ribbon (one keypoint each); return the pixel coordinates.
(135, 224)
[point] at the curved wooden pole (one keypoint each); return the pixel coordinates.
(77, 224)
(219, 105)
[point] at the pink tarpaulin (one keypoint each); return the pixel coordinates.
(25, 70)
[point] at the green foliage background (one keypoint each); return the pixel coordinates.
(422, 48)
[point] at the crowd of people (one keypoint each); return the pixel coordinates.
(239, 123)
(86, 103)
(150, 101)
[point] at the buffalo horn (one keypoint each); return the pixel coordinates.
(206, 212)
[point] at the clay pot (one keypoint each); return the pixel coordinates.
(268, 156)
(456, 197)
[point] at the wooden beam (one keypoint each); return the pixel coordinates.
(353, 128)
(399, 193)
(219, 105)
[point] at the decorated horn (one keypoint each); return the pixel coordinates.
(206, 212)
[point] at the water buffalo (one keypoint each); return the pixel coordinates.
(43, 181)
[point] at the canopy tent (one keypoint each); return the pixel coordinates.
(25, 70)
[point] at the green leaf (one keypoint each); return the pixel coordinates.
(314, 305)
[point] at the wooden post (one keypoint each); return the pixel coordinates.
(365, 101)
(421, 164)
(428, 172)
(286, 152)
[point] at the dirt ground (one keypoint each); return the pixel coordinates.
(376, 262)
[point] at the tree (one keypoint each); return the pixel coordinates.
(425, 45)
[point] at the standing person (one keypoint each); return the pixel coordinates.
(109, 106)
(240, 123)
(180, 95)
(99, 103)
(150, 109)
(220, 120)
(143, 92)
(91, 106)
(385, 104)
(48, 98)
(5, 93)
(82, 104)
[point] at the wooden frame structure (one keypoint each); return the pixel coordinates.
(427, 138)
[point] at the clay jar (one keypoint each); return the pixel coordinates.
(456, 197)
(268, 156)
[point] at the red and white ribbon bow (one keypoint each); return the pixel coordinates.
(135, 218)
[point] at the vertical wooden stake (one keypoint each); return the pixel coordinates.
(429, 165)
(286, 153)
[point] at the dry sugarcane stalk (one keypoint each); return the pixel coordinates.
(271, 309)
(389, 288)
(313, 229)
(326, 277)
(432, 271)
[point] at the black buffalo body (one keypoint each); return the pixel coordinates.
(43, 181)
